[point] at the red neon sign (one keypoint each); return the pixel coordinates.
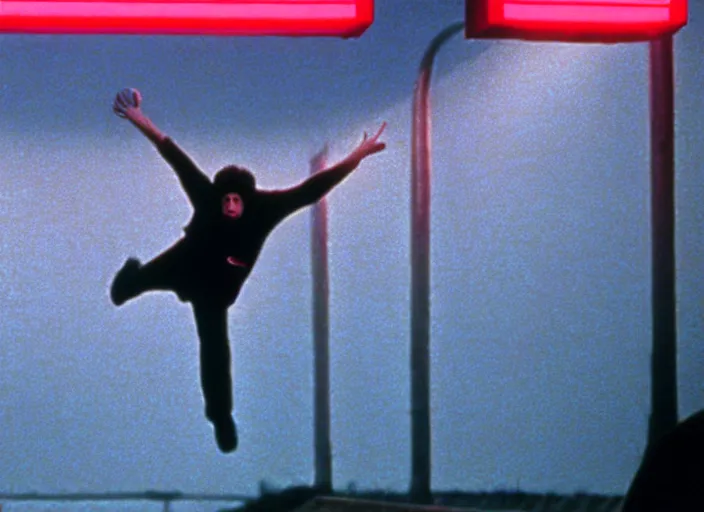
(600, 21)
(342, 18)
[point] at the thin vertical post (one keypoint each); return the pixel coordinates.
(421, 449)
(321, 329)
(664, 414)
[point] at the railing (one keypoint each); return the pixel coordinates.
(507, 501)
(165, 497)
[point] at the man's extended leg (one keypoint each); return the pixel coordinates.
(216, 381)
(166, 272)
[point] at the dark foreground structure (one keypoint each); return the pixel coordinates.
(671, 476)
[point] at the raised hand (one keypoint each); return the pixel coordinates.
(369, 146)
(127, 105)
(126, 102)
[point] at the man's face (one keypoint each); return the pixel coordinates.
(232, 205)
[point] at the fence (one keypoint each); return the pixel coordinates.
(164, 497)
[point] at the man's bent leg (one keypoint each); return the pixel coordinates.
(166, 272)
(216, 380)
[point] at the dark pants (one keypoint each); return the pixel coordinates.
(215, 361)
(211, 287)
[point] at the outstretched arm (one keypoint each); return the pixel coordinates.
(317, 186)
(127, 105)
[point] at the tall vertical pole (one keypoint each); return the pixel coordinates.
(420, 273)
(321, 330)
(663, 416)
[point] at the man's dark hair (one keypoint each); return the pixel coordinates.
(234, 179)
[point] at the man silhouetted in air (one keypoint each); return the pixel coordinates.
(207, 267)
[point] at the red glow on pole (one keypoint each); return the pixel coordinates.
(341, 18)
(599, 21)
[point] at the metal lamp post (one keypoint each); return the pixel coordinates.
(321, 330)
(664, 414)
(420, 273)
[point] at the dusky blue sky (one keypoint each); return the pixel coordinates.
(540, 271)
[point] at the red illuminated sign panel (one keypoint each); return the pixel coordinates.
(343, 18)
(606, 21)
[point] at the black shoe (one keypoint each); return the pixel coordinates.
(124, 284)
(226, 434)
